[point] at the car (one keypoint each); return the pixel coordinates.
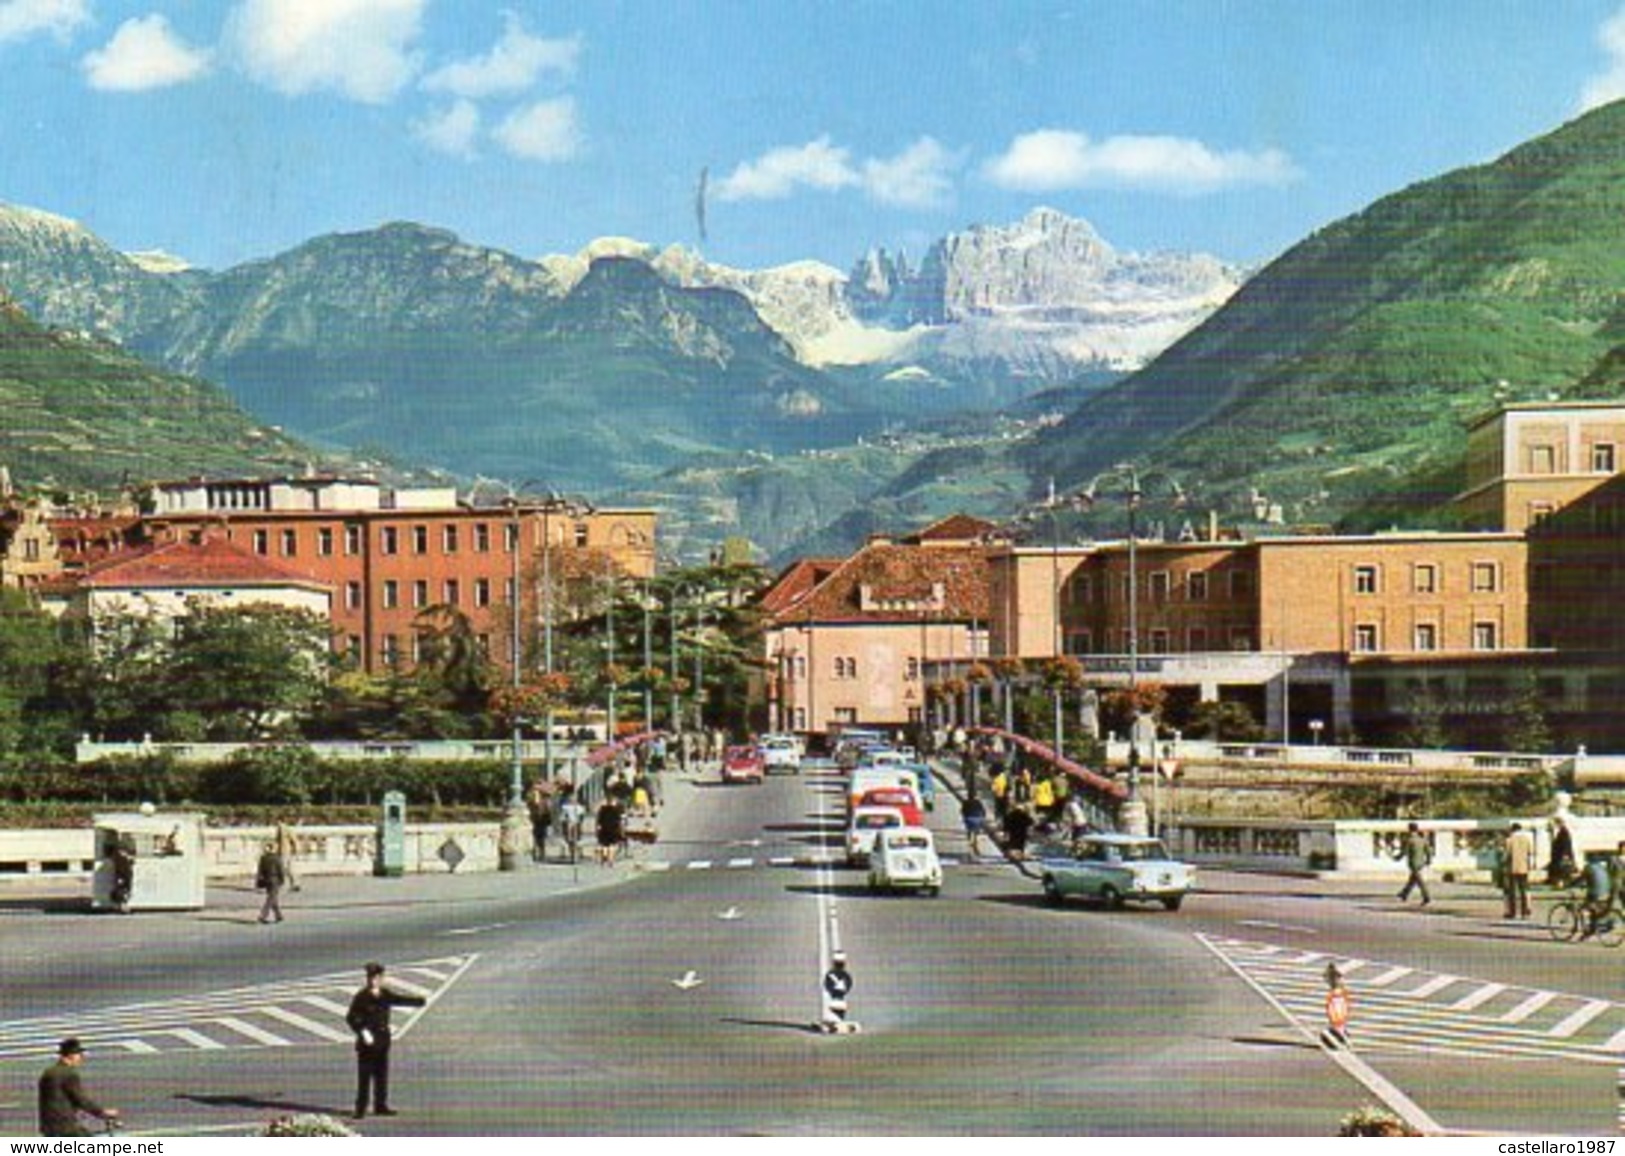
(1115, 869)
(905, 858)
(866, 779)
(742, 764)
(927, 782)
(865, 824)
(902, 798)
(781, 753)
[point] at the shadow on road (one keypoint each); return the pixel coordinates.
(786, 1025)
(66, 905)
(256, 1102)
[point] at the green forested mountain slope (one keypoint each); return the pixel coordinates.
(1336, 382)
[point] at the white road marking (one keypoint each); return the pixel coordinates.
(1387, 977)
(1483, 995)
(140, 1047)
(1579, 1018)
(689, 982)
(476, 930)
(305, 1024)
(1432, 987)
(258, 1035)
(699, 865)
(1276, 926)
(330, 1006)
(196, 1039)
(736, 864)
(782, 861)
(1528, 1007)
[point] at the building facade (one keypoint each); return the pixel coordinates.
(1527, 461)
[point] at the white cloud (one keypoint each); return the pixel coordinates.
(544, 131)
(144, 54)
(779, 172)
(361, 49)
(20, 19)
(1609, 85)
(453, 130)
(512, 66)
(1053, 159)
(919, 177)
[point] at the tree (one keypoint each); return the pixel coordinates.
(1424, 725)
(1526, 728)
(248, 671)
(1223, 721)
(30, 651)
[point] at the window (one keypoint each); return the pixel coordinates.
(262, 541)
(581, 534)
(1196, 584)
(1365, 638)
(1159, 586)
(507, 591)
(845, 714)
(1602, 458)
(1197, 639)
(31, 550)
(510, 538)
(391, 650)
(420, 594)
(420, 643)
(483, 642)
(392, 594)
(1159, 641)
(448, 539)
(1485, 577)
(1365, 579)
(482, 538)
(913, 671)
(352, 539)
(1425, 579)
(352, 645)
(290, 543)
(1241, 584)
(454, 592)
(1484, 636)
(846, 668)
(1542, 459)
(324, 542)
(420, 539)
(1427, 636)
(389, 540)
(482, 592)
(1241, 638)
(1540, 509)
(352, 596)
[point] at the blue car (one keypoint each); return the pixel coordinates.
(928, 783)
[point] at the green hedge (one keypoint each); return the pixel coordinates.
(272, 776)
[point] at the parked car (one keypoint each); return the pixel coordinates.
(902, 798)
(1115, 869)
(905, 857)
(865, 825)
(781, 753)
(742, 764)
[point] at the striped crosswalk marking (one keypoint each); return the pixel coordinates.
(736, 864)
(274, 1015)
(1400, 1009)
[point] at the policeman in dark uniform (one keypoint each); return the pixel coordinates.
(369, 1020)
(62, 1098)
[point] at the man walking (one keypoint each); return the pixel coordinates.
(62, 1097)
(1517, 860)
(271, 877)
(1417, 853)
(369, 1020)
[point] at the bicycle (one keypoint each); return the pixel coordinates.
(1571, 919)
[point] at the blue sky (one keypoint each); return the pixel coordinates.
(226, 130)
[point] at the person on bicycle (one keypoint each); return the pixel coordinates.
(1601, 882)
(571, 816)
(62, 1097)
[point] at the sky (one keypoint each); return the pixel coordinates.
(223, 131)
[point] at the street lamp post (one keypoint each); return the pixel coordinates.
(1130, 483)
(514, 819)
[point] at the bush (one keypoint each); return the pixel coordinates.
(1371, 1120)
(307, 1124)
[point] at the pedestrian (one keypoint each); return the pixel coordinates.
(1417, 851)
(1043, 798)
(837, 986)
(610, 830)
(1560, 867)
(285, 847)
(1076, 816)
(123, 874)
(1000, 786)
(369, 1020)
(1018, 823)
(572, 816)
(1517, 858)
(62, 1096)
(1338, 1008)
(539, 803)
(270, 877)
(973, 813)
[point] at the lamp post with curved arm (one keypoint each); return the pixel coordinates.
(1130, 483)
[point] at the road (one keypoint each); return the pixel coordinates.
(680, 1000)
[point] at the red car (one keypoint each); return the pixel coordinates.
(743, 764)
(900, 797)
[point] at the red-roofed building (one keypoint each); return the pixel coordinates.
(847, 642)
(169, 579)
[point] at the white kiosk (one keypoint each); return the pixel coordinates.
(162, 861)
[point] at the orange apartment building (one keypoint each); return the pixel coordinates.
(388, 555)
(1526, 461)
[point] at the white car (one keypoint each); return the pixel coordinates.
(905, 857)
(865, 825)
(781, 753)
(1115, 869)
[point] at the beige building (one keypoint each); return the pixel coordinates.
(1527, 461)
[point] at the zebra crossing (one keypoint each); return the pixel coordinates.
(1403, 1009)
(271, 1015)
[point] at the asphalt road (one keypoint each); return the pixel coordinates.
(681, 1000)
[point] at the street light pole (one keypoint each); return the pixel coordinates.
(513, 821)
